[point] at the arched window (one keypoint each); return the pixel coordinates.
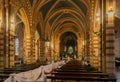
(16, 46)
(70, 50)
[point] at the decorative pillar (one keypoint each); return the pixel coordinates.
(9, 36)
(47, 50)
(110, 38)
(32, 53)
(11, 43)
(103, 35)
(37, 49)
(42, 50)
(96, 55)
(52, 50)
(2, 43)
(7, 22)
(80, 47)
(2, 34)
(56, 48)
(28, 49)
(91, 48)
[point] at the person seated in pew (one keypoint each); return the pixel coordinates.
(89, 67)
(88, 64)
(38, 60)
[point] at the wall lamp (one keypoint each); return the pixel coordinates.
(96, 33)
(47, 43)
(110, 12)
(0, 21)
(98, 17)
(12, 23)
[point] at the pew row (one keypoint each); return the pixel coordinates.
(73, 70)
(80, 74)
(79, 78)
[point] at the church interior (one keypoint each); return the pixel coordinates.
(34, 33)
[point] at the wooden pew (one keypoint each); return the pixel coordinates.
(77, 65)
(80, 74)
(73, 70)
(79, 78)
(3, 77)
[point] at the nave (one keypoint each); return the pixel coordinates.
(39, 33)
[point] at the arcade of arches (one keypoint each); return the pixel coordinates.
(32, 30)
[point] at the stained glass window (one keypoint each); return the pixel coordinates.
(16, 46)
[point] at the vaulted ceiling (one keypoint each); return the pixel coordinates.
(58, 13)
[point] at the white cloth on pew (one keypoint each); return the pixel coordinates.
(10, 79)
(47, 70)
(42, 78)
(28, 76)
(38, 74)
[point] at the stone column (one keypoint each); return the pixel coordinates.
(2, 35)
(32, 48)
(7, 23)
(28, 50)
(56, 49)
(42, 50)
(80, 47)
(102, 35)
(110, 38)
(96, 55)
(9, 36)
